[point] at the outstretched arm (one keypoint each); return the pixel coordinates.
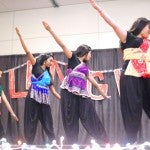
(120, 32)
(95, 84)
(54, 92)
(28, 53)
(4, 99)
(66, 51)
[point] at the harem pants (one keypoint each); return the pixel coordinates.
(75, 107)
(2, 134)
(35, 111)
(135, 96)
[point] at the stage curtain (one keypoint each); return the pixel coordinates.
(108, 110)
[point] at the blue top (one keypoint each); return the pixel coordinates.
(40, 82)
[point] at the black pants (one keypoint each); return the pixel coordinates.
(2, 134)
(35, 111)
(74, 108)
(135, 96)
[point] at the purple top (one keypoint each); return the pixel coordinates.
(75, 80)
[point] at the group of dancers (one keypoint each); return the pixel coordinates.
(75, 101)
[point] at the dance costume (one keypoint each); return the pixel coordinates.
(134, 85)
(37, 104)
(76, 104)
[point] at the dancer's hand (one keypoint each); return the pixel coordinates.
(108, 97)
(137, 50)
(15, 117)
(46, 25)
(95, 5)
(17, 31)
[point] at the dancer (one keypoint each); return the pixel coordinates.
(135, 76)
(75, 101)
(8, 106)
(37, 102)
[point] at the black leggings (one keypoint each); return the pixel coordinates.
(35, 111)
(74, 108)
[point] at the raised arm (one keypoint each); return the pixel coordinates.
(120, 32)
(4, 99)
(66, 51)
(95, 84)
(28, 53)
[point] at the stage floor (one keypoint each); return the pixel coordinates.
(7, 146)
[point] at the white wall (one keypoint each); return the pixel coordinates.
(75, 24)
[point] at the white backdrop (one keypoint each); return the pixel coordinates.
(76, 24)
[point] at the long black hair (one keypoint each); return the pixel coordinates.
(136, 28)
(138, 25)
(42, 58)
(83, 50)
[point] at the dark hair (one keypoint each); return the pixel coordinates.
(83, 50)
(44, 57)
(138, 25)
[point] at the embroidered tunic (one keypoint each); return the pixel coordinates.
(75, 80)
(137, 66)
(134, 64)
(40, 82)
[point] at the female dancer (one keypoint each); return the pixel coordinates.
(75, 101)
(4, 99)
(134, 81)
(37, 102)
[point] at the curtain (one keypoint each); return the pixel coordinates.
(108, 110)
